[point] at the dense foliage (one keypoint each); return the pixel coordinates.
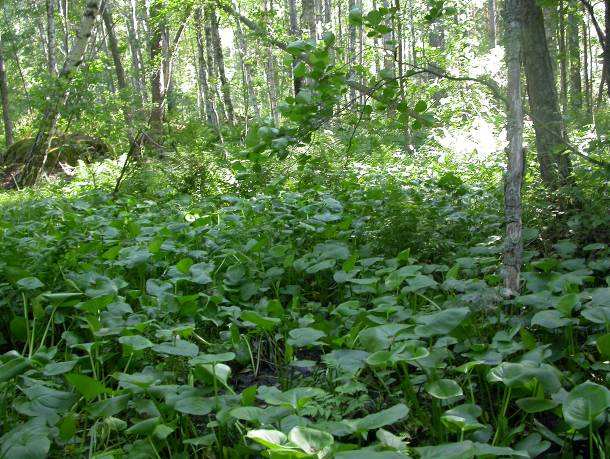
(294, 229)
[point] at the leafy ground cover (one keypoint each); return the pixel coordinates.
(295, 325)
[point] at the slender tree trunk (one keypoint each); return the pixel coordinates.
(576, 97)
(295, 34)
(207, 95)
(351, 48)
(52, 59)
(137, 62)
(63, 7)
(156, 79)
(555, 166)
(115, 52)
(220, 66)
(37, 155)
(491, 22)
(212, 70)
(272, 85)
(563, 58)
(246, 68)
(389, 48)
(308, 18)
(587, 81)
(513, 247)
(9, 138)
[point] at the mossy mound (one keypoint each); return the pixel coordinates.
(66, 150)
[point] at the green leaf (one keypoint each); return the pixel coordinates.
(421, 106)
(178, 347)
(585, 404)
(86, 385)
(135, 342)
(463, 418)
(440, 323)
(30, 283)
(26, 441)
(195, 405)
(444, 389)
(14, 366)
(536, 405)
(603, 345)
(301, 337)
(311, 441)
(109, 407)
(59, 368)
(550, 319)
(383, 418)
(266, 323)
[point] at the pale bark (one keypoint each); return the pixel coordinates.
(135, 47)
(491, 22)
(157, 78)
(245, 67)
(206, 94)
(563, 59)
(37, 156)
(272, 85)
(513, 247)
(220, 66)
(308, 18)
(295, 34)
(9, 138)
(351, 48)
(389, 48)
(51, 57)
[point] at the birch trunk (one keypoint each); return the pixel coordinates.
(156, 79)
(513, 247)
(137, 65)
(51, 57)
(9, 138)
(206, 94)
(38, 153)
(563, 59)
(389, 48)
(308, 18)
(491, 22)
(272, 84)
(246, 68)
(351, 48)
(295, 34)
(220, 67)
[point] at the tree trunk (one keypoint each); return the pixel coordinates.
(9, 138)
(220, 65)
(351, 48)
(513, 247)
(308, 18)
(63, 7)
(576, 97)
(207, 95)
(156, 78)
(137, 65)
(246, 68)
(272, 85)
(491, 23)
(113, 45)
(563, 59)
(52, 60)
(587, 81)
(389, 48)
(555, 166)
(37, 155)
(295, 34)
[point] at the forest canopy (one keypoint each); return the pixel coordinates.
(304, 229)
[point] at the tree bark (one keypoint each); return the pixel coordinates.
(157, 78)
(555, 165)
(308, 18)
(295, 34)
(37, 155)
(137, 65)
(513, 247)
(9, 138)
(491, 22)
(220, 65)
(272, 84)
(563, 58)
(113, 46)
(207, 95)
(246, 68)
(576, 93)
(389, 48)
(51, 58)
